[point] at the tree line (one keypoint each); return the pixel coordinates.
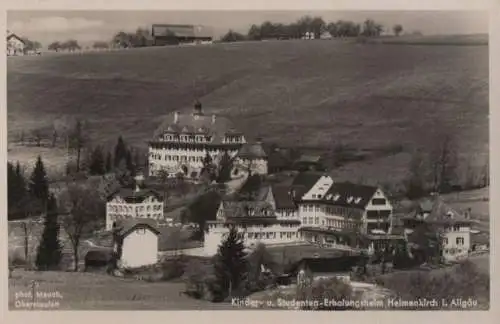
(314, 26)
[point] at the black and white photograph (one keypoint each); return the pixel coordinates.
(248, 160)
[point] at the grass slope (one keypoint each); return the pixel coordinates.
(315, 93)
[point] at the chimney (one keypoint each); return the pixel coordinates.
(213, 119)
(176, 117)
(197, 108)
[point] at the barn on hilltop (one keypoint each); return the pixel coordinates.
(164, 34)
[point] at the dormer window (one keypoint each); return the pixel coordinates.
(350, 199)
(329, 196)
(357, 200)
(336, 197)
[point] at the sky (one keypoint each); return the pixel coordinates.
(89, 26)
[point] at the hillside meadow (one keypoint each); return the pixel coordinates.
(308, 93)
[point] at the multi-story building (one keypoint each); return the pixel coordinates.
(255, 220)
(135, 203)
(335, 212)
(450, 226)
(184, 141)
(312, 209)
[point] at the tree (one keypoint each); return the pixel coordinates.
(254, 33)
(70, 45)
(371, 28)
(398, 29)
(109, 163)
(78, 140)
(50, 250)
(97, 164)
(225, 168)
(55, 46)
(317, 26)
(203, 209)
(30, 45)
(332, 289)
(251, 187)
(260, 267)
(415, 185)
(16, 187)
(122, 39)
(232, 36)
(443, 164)
(39, 185)
(120, 152)
(123, 175)
(230, 265)
(83, 209)
(209, 169)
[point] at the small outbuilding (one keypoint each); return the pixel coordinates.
(136, 242)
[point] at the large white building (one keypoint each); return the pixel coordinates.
(453, 227)
(135, 203)
(183, 142)
(313, 209)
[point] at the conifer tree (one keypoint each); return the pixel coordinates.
(50, 250)
(38, 185)
(97, 163)
(225, 167)
(109, 163)
(16, 186)
(230, 265)
(120, 152)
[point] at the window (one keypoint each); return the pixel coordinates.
(316, 220)
(310, 220)
(314, 196)
(141, 231)
(378, 201)
(456, 228)
(460, 241)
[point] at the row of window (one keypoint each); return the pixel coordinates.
(327, 222)
(330, 210)
(181, 158)
(187, 138)
(287, 213)
(142, 208)
(114, 217)
(458, 241)
(266, 235)
(454, 228)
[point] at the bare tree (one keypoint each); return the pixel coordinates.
(82, 208)
(78, 140)
(398, 29)
(37, 136)
(443, 163)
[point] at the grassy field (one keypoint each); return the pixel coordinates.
(88, 291)
(291, 92)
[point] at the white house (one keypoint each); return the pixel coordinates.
(128, 203)
(136, 242)
(453, 227)
(15, 45)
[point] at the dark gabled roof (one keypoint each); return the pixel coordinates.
(250, 209)
(201, 124)
(189, 31)
(126, 226)
(252, 151)
(277, 159)
(343, 263)
(12, 35)
(348, 194)
(283, 197)
(303, 182)
(439, 213)
(133, 195)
